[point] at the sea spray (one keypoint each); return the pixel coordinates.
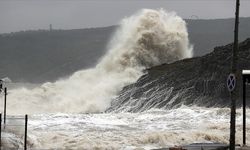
(146, 39)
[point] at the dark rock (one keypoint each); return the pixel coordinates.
(196, 81)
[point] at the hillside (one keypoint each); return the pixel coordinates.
(39, 56)
(207, 34)
(185, 83)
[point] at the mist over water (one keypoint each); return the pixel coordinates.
(146, 39)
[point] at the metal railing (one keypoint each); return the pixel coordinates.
(14, 127)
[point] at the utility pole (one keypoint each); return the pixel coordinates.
(234, 93)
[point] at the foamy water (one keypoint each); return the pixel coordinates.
(152, 129)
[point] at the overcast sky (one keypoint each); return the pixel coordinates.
(16, 15)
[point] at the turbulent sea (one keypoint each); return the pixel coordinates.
(71, 112)
(146, 130)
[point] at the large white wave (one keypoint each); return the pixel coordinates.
(148, 38)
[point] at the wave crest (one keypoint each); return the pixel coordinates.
(146, 39)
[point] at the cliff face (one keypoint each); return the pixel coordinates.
(197, 81)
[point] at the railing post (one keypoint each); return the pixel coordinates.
(25, 132)
(5, 100)
(0, 131)
(244, 110)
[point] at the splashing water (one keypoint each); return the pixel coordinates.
(146, 39)
(146, 130)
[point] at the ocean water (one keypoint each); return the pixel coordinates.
(146, 130)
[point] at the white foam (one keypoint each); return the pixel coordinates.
(146, 39)
(152, 129)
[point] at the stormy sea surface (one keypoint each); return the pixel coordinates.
(96, 108)
(147, 130)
